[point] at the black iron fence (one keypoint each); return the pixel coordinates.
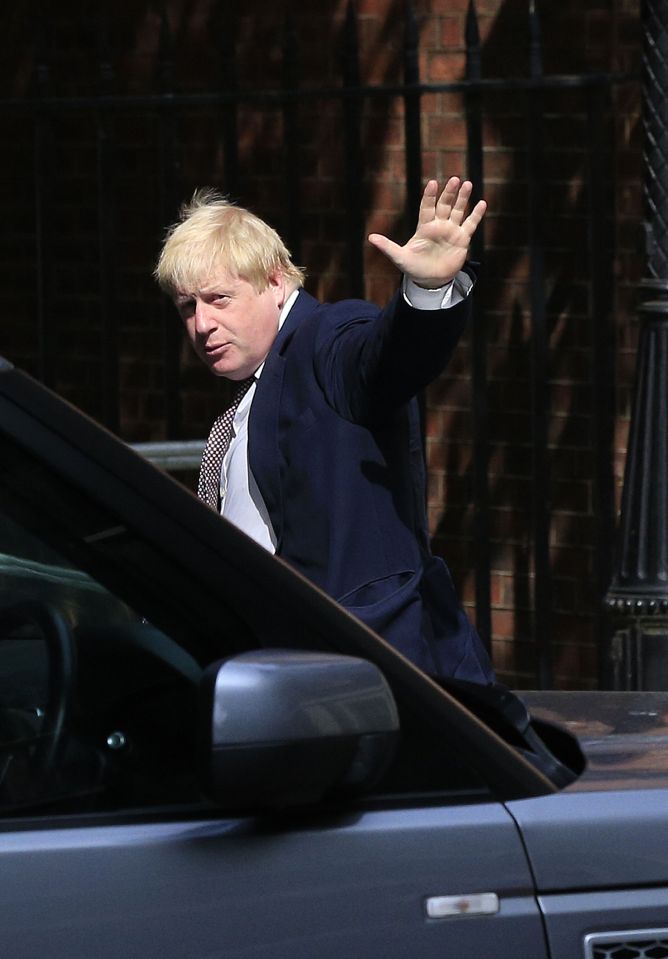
(106, 111)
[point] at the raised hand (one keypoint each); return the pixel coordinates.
(439, 247)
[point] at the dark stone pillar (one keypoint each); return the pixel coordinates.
(638, 594)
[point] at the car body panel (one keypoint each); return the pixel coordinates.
(623, 920)
(597, 840)
(599, 850)
(351, 884)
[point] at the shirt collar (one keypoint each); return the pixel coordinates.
(282, 317)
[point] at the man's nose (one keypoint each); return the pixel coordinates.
(204, 318)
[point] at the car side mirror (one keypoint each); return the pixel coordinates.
(280, 728)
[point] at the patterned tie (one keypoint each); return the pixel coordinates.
(220, 437)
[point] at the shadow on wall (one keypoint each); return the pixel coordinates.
(575, 530)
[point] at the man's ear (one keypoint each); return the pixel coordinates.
(278, 287)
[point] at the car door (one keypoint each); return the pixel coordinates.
(116, 590)
(119, 861)
(343, 883)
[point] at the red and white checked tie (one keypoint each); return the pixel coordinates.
(217, 445)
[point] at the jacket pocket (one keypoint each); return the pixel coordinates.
(379, 591)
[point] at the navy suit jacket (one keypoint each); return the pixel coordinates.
(336, 450)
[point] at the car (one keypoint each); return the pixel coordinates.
(202, 755)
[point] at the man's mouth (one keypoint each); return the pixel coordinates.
(213, 352)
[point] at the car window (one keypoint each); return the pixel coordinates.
(110, 724)
(124, 735)
(31, 569)
(87, 543)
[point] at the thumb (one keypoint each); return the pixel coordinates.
(392, 250)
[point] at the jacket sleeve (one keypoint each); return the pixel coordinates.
(369, 362)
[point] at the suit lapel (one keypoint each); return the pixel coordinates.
(264, 453)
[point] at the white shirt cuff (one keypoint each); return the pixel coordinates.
(441, 298)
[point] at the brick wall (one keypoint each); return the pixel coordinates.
(577, 37)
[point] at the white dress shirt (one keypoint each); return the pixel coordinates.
(241, 502)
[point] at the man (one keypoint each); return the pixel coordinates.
(325, 465)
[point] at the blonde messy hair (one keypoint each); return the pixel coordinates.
(213, 234)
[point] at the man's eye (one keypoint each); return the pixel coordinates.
(220, 297)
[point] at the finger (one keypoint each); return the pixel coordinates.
(472, 221)
(387, 247)
(447, 199)
(427, 209)
(458, 211)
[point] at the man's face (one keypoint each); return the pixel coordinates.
(231, 325)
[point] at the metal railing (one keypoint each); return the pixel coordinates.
(173, 456)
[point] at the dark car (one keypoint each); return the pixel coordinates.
(201, 755)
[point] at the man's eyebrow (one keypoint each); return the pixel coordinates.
(227, 286)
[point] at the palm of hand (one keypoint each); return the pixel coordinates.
(438, 249)
(435, 253)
